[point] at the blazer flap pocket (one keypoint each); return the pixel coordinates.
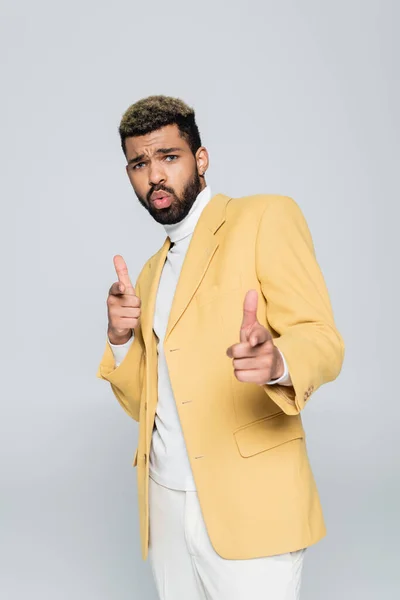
(268, 433)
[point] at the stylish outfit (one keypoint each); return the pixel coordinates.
(169, 463)
(224, 482)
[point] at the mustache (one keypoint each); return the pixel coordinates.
(160, 188)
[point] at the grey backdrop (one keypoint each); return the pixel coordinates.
(293, 97)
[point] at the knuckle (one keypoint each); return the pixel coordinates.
(267, 360)
(262, 360)
(239, 375)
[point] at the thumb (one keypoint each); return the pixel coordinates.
(249, 314)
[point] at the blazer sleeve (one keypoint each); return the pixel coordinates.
(127, 378)
(298, 307)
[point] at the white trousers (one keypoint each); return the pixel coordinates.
(186, 567)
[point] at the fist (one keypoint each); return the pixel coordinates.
(123, 306)
(255, 359)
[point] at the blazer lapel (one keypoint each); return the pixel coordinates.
(149, 290)
(201, 250)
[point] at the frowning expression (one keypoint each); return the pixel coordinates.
(165, 173)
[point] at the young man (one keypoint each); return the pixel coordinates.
(215, 351)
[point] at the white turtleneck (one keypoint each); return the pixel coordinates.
(169, 462)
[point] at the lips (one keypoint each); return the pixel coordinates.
(161, 199)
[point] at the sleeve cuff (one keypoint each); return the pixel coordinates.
(120, 350)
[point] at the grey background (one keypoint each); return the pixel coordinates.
(298, 98)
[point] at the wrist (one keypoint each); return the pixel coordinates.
(279, 366)
(118, 339)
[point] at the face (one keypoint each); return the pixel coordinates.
(164, 173)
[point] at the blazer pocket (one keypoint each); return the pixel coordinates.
(233, 285)
(268, 433)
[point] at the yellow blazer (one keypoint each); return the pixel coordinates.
(246, 443)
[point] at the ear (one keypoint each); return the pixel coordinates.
(202, 160)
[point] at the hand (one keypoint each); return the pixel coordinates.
(123, 305)
(255, 358)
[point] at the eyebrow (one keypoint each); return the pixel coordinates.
(139, 158)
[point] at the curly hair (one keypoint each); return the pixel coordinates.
(154, 112)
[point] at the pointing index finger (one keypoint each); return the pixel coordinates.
(249, 314)
(122, 273)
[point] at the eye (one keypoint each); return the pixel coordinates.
(137, 165)
(173, 156)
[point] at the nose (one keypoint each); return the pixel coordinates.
(156, 174)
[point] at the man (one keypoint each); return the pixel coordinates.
(215, 351)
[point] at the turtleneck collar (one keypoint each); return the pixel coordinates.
(178, 231)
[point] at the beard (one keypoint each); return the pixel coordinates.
(180, 205)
